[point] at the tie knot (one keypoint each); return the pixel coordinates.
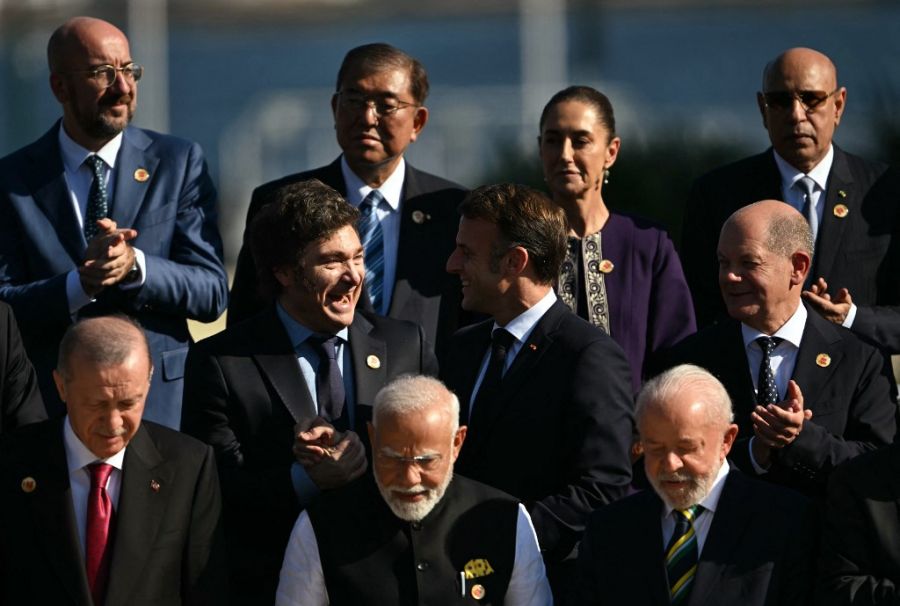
(95, 163)
(100, 473)
(502, 339)
(806, 185)
(325, 345)
(768, 344)
(372, 201)
(690, 514)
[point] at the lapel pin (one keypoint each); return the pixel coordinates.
(478, 591)
(532, 347)
(823, 360)
(842, 193)
(373, 362)
(841, 211)
(419, 217)
(154, 485)
(28, 484)
(141, 175)
(606, 266)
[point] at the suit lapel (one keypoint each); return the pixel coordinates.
(839, 190)
(145, 494)
(467, 363)
(810, 372)
(731, 368)
(130, 190)
(649, 548)
(369, 357)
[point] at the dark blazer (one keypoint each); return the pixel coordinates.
(759, 550)
(20, 400)
(423, 290)
(860, 252)
(560, 438)
(167, 546)
(174, 213)
(860, 553)
(853, 410)
(243, 395)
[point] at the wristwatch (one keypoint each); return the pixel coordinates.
(133, 275)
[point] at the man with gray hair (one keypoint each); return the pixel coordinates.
(808, 393)
(706, 533)
(430, 537)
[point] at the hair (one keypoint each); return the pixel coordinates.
(589, 96)
(380, 57)
(788, 233)
(666, 386)
(104, 341)
(413, 393)
(296, 215)
(525, 217)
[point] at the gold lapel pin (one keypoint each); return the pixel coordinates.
(419, 217)
(606, 266)
(28, 484)
(532, 347)
(841, 211)
(141, 175)
(842, 193)
(154, 485)
(823, 360)
(373, 362)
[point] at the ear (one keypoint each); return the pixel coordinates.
(419, 121)
(515, 261)
(761, 102)
(458, 440)
(840, 100)
(60, 385)
(800, 266)
(370, 429)
(728, 439)
(612, 151)
(334, 102)
(59, 87)
(284, 276)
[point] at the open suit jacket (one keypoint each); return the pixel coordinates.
(559, 437)
(167, 543)
(20, 400)
(243, 394)
(424, 292)
(759, 551)
(860, 252)
(850, 396)
(860, 551)
(174, 213)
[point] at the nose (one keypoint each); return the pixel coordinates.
(113, 421)
(355, 273)
(798, 112)
(453, 262)
(567, 150)
(671, 463)
(370, 114)
(411, 474)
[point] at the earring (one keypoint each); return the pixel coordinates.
(605, 176)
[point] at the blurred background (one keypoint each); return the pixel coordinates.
(251, 80)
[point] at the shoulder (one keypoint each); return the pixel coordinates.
(174, 445)
(241, 338)
(870, 473)
(328, 174)
(393, 329)
(29, 441)
(749, 167)
(427, 183)
(573, 332)
(477, 491)
(149, 139)
(757, 495)
(36, 150)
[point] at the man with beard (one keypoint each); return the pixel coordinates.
(98, 217)
(417, 534)
(705, 534)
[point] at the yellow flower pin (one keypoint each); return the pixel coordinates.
(477, 568)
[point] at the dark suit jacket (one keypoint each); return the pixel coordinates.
(167, 545)
(20, 400)
(759, 550)
(860, 252)
(860, 555)
(423, 290)
(243, 395)
(174, 213)
(559, 439)
(853, 410)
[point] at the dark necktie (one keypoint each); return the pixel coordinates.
(766, 392)
(682, 554)
(98, 531)
(98, 201)
(489, 390)
(808, 186)
(373, 242)
(330, 392)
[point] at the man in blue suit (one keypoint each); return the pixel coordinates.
(99, 217)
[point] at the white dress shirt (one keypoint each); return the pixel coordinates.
(78, 457)
(703, 521)
(302, 582)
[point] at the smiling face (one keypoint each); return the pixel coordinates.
(322, 292)
(473, 261)
(575, 148)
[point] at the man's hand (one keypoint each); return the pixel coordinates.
(330, 458)
(833, 309)
(108, 257)
(777, 425)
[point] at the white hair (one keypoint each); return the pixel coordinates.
(664, 387)
(413, 393)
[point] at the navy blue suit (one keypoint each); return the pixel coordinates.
(174, 213)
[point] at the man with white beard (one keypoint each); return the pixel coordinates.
(706, 533)
(430, 537)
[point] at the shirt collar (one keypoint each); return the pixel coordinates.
(791, 331)
(74, 155)
(297, 332)
(391, 189)
(819, 173)
(711, 501)
(79, 456)
(522, 325)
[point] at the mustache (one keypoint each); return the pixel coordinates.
(675, 477)
(417, 489)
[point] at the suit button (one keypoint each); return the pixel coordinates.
(423, 566)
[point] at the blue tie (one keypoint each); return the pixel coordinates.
(98, 202)
(373, 242)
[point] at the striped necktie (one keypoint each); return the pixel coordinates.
(373, 242)
(682, 554)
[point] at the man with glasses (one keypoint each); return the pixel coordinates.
(408, 217)
(98, 217)
(417, 534)
(851, 204)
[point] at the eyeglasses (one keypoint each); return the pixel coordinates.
(810, 100)
(383, 108)
(426, 462)
(105, 75)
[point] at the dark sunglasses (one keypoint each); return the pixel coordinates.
(809, 99)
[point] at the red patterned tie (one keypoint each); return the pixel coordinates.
(100, 524)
